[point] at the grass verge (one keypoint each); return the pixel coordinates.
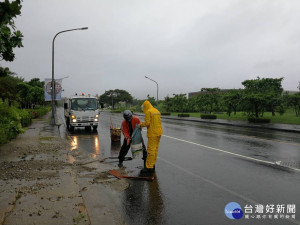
(289, 117)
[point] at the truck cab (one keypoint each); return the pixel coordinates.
(81, 111)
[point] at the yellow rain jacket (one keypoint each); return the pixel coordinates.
(152, 120)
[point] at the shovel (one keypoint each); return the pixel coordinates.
(119, 176)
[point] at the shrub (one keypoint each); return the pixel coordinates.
(258, 120)
(183, 115)
(12, 120)
(39, 111)
(10, 123)
(208, 116)
(166, 114)
(3, 137)
(26, 117)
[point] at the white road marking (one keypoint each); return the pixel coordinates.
(208, 181)
(230, 153)
(220, 150)
(248, 200)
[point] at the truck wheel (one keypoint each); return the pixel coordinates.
(71, 128)
(95, 128)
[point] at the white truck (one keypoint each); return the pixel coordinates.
(81, 111)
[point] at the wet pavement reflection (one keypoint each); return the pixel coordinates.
(143, 203)
(90, 142)
(193, 183)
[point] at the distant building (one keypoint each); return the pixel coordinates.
(195, 94)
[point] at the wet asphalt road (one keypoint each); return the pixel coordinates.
(201, 168)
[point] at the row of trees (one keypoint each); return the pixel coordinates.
(14, 92)
(258, 96)
(15, 89)
(17, 97)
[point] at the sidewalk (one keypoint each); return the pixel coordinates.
(40, 184)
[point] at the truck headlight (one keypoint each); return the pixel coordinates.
(96, 118)
(73, 118)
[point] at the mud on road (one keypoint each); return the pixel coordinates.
(43, 182)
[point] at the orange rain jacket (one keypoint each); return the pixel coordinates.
(152, 120)
(125, 126)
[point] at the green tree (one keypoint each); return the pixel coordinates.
(167, 104)
(35, 82)
(24, 91)
(232, 100)
(5, 72)
(294, 101)
(192, 105)
(8, 85)
(151, 100)
(10, 37)
(112, 97)
(208, 100)
(13, 88)
(254, 104)
(261, 94)
(37, 95)
(37, 91)
(178, 103)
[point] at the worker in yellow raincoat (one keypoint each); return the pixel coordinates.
(154, 132)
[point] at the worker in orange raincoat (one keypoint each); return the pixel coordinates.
(128, 125)
(154, 132)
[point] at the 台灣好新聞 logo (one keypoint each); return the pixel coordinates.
(233, 211)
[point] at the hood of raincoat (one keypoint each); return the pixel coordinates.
(146, 106)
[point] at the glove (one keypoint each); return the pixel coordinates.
(128, 141)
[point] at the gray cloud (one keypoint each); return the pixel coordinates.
(183, 45)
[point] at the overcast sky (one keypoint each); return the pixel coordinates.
(184, 45)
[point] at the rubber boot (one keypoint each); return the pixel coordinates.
(120, 163)
(147, 171)
(144, 157)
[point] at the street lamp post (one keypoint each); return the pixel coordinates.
(156, 86)
(53, 94)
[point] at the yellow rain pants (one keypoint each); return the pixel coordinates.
(152, 149)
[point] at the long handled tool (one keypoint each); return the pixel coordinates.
(144, 152)
(119, 176)
(101, 160)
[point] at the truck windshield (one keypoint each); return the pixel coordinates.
(84, 104)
